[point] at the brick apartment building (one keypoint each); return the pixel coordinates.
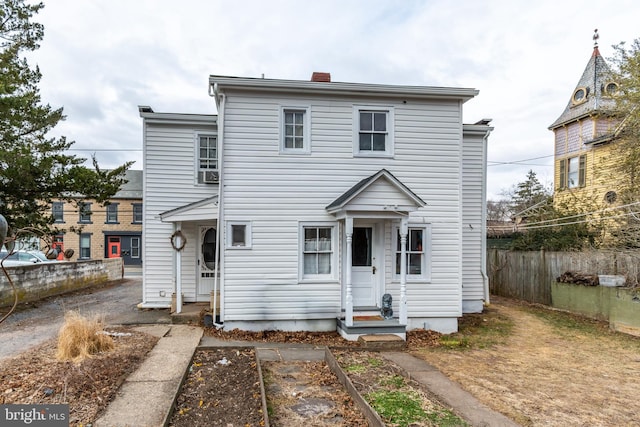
(108, 231)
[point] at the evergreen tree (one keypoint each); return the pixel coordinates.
(34, 168)
(529, 194)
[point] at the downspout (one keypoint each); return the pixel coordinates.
(220, 104)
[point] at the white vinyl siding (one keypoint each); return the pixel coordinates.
(170, 158)
(473, 217)
(280, 192)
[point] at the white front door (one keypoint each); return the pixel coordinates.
(206, 261)
(363, 267)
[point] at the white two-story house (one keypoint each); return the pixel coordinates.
(302, 203)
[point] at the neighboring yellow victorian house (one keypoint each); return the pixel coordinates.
(585, 142)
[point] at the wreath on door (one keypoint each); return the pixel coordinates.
(183, 240)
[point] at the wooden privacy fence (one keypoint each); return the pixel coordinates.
(528, 275)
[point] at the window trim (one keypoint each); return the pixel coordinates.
(88, 213)
(563, 173)
(306, 129)
(247, 235)
(80, 247)
(136, 247)
(60, 206)
(198, 168)
(311, 278)
(425, 276)
(133, 214)
(389, 141)
(106, 217)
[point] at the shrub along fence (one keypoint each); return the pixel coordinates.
(529, 276)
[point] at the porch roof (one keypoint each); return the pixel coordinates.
(202, 210)
(380, 192)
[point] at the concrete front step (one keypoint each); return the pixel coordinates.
(382, 342)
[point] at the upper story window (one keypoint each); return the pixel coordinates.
(294, 127)
(57, 211)
(112, 213)
(573, 172)
(207, 159)
(137, 213)
(373, 131)
(84, 212)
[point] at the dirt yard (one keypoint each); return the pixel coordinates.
(547, 369)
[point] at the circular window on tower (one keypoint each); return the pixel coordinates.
(610, 197)
(611, 88)
(580, 95)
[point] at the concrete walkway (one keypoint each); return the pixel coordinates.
(146, 397)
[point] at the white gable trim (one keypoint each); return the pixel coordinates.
(366, 196)
(203, 210)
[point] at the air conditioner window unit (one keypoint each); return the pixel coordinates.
(210, 177)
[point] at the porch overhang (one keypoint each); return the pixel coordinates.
(202, 210)
(380, 195)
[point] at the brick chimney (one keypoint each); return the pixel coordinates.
(321, 77)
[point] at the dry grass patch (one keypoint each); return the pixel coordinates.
(81, 338)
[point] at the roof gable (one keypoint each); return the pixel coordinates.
(379, 192)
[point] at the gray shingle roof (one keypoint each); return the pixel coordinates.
(594, 79)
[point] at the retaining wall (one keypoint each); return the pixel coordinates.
(37, 281)
(619, 306)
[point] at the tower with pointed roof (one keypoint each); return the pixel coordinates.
(584, 134)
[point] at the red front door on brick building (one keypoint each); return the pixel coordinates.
(113, 249)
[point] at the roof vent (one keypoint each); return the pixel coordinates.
(321, 77)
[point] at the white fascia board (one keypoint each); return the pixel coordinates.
(339, 88)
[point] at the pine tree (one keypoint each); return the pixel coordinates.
(34, 168)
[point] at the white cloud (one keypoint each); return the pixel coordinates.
(101, 59)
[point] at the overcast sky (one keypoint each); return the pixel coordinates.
(100, 59)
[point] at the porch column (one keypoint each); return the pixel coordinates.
(404, 229)
(178, 226)
(349, 297)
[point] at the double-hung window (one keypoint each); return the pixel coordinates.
(112, 213)
(84, 212)
(573, 172)
(85, 245)
(207, 159)
(418, 253)
(294, 130)
(318, 250)
(137, 213)
(373, 131)
(58, 211)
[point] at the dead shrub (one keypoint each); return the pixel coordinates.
(80, 338)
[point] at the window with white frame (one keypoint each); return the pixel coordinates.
(207, 159)
(294, 131)
(318, 247)
(239, 234)
(572, 172)
(418, 253)
(373, 131)
(135, 247)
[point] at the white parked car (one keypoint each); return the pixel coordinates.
(24, 258)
